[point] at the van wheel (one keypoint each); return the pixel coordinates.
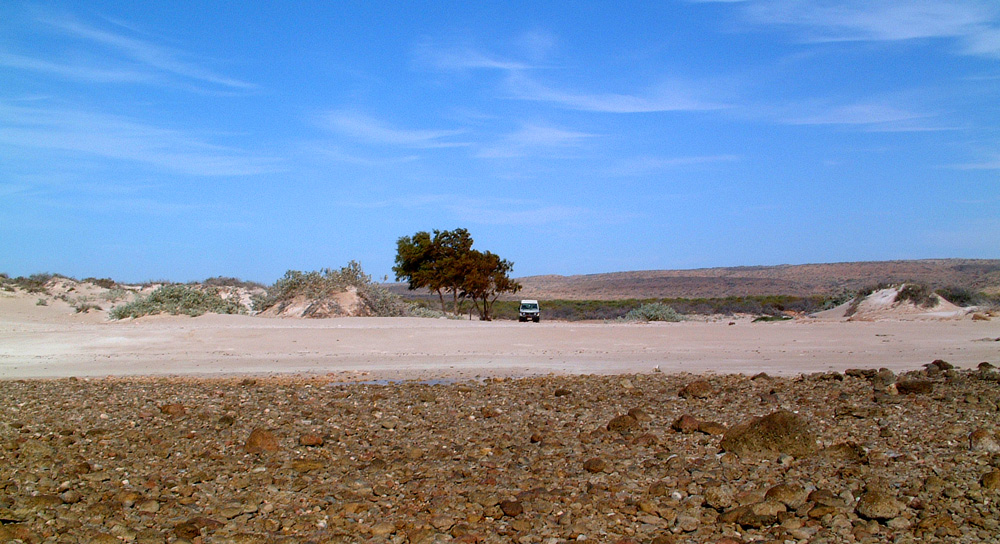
(537, 319)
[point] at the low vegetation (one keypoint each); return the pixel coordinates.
(34, 283)
(604, 310)
(920, 295)
(654, 311)
(325, 283)
(226, 281)
(178, 300)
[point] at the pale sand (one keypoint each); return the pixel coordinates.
(40, 342)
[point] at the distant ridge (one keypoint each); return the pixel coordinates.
(799, 280)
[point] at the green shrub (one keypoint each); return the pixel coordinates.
(83, 306)
(34, 283)
(772, 318)
(115, 295)
(960, 296)
(225, 281)
(42, 302)
(106, 283)
(919, 294)
(655, 311)
(177, 299)
(416, 310)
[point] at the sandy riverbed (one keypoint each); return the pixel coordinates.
(35, 342)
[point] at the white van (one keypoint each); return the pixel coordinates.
(528, 310)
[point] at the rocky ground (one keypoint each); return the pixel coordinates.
(863, 456)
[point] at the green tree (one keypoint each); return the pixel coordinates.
(486, 277)
(434, 262)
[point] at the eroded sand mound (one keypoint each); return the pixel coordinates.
(888, 304)
(344, 304)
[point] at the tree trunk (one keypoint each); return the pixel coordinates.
(441, 296)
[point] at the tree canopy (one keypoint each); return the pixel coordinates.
(444, 262)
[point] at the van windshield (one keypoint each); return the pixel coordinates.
(529, 306)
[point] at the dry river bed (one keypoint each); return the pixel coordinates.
(35, 344)
(657, 458)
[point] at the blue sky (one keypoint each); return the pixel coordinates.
(183, 140)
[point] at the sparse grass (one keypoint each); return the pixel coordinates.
(175, 300)
(42, 302)
(84, 306)
(116, 295)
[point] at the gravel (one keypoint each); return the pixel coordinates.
(619, 459)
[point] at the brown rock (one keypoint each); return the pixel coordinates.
(686, 424)
(914, 387)
(712, 428)
(71, 496)
(311, 439)
(261, 440)
(843, 451)
(719, 496)
(595, 464)
(771, 435)
(623, 424)
(983, 440)
(511, 508)
(991, 480)
(173, 410)
(562, 392)
(877, 503)
(699, 389)
(639, 414)
(306, 465)
(791, 495)
(187, 530)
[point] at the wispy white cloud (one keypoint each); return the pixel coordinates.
(335, 153)
(974, 23)
(119, 138)
(462, 58)
(899, 114)
(104, 56)
(670, 95)
(149, 54)
(673, 96)
(868, 113)
(74, 71)
(533, 139)
(364, 128)
(485, 211)
(646, 165)
(990, 163)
